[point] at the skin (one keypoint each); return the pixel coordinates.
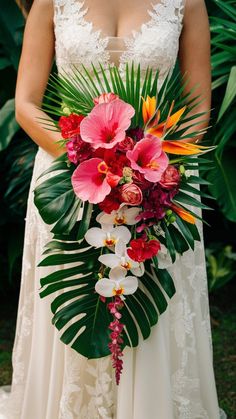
(115, 20)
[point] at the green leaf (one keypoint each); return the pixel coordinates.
(8, 124)
(166, 282)
(184, 229)
(223, 183)
(178, 239)
(169, 242)
(230, 93)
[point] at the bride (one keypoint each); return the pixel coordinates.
(170, 375)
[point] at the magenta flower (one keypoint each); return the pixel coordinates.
(148, 158)
(78, 150)
(106, 124)
(89, 181)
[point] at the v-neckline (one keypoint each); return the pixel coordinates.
(127, 38)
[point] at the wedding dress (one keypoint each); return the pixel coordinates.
(168, 376)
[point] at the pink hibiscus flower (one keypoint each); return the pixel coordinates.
(89, 181)
(147, 157)
(106, 124)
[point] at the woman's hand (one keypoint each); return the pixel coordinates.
(34, 69)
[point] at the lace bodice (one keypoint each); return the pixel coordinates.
(154, 44)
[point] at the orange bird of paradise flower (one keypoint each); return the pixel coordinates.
(184, 214)
(151, 118)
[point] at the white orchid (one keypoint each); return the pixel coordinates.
(121, 258)
(117, 284)
(123, 215)
(107, 236)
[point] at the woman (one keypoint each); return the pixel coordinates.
(170, 375)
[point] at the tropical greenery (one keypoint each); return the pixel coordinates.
(16, 147)
(223, 177)
(17, 153)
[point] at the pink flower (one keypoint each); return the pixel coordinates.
(131, 194)
(170, 178)
(116, 336)
(89, 181)
(105, 98)
(148, 158)
(70, 125)
(78, 150)
(141, 249)
(106, 124)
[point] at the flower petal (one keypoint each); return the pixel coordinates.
(122, 233)
(184, 214)
(105, 287)
(88, 183)
(95, 237)
(118, 273)
(131, 214)
(110, 260)
(130, 284)
(182, 148)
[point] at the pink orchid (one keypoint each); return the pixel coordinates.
(148, 158)
(90, 182)
(106, 124)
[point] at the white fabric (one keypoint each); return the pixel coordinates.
(170, 375)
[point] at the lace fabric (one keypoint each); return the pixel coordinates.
(170, 375)
(164, 25)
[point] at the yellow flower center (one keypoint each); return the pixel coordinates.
(109, 241)
(102, 167)
(153, 165)
(126, 265)
(120, 219)
(119, 291)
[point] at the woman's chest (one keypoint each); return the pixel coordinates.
(149, 35)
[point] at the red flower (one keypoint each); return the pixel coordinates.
(141, 249)
(70, 125)
(170, 178)
(126, 144)
(111, 202)
(140, 180)
(131, 194)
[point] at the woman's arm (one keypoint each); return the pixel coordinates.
(34, 69)
(194, 57)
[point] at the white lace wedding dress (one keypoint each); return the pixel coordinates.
(170, 375)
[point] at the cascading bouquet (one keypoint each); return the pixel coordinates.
(120, 204)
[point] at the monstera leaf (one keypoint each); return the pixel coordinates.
(78, 299)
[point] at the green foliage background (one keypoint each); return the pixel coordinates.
(17, 154)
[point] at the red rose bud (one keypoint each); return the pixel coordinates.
(170, 178)
(70, 125)
(131, 194)
(126, 144)
(140, 249)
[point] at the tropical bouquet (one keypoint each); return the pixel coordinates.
(120, 202)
